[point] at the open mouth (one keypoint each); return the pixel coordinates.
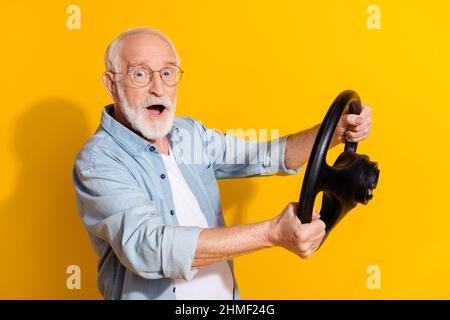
(156, 109)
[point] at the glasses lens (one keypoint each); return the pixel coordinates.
(140, 76)
(171, 75)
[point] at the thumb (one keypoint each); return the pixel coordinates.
(315, 215)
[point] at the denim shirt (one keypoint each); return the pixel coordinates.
(125, 200)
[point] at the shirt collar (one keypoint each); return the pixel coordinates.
(134, 143)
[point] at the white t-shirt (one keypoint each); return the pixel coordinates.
(214, 282)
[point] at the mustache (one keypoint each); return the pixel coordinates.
(149, 101)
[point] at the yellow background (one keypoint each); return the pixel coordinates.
(248, 64)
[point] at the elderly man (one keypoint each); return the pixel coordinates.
(147, 191)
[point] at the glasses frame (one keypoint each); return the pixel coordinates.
(151, 71)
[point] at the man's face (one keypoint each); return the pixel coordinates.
(149, 110)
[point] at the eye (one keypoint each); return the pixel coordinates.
(140, 73)
(167, 72)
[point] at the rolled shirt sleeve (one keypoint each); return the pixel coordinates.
(114, 209)
(282, 169)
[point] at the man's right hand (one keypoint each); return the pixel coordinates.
(286, 230)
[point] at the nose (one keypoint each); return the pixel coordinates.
(156, 85)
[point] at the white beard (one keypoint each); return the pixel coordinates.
(151, 129)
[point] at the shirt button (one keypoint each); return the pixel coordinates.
(172, 212)
(163, 176)
(152, 148)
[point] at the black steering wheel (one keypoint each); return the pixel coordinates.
(349, 181)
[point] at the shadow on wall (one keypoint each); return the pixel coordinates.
(42, 233)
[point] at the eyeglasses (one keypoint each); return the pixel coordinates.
(141, 76)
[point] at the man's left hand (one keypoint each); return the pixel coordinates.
(352, 127)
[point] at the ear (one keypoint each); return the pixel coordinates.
(110, 84)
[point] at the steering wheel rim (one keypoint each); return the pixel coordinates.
(317, 166)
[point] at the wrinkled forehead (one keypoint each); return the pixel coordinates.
(146, 49)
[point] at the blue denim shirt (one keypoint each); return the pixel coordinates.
(125, 201)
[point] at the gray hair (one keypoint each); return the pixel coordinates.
(111, 58)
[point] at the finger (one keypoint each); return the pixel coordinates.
(366, 110)
(366, 121)
(356, 136)
(366, 124)
(318, 236)
(316, 243)
(356, 139)
(317, 226)
(321, 236)
(352, 120)
(313, 248)
(315, 215)
(357, 133)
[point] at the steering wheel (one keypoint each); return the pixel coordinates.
(349, 181)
